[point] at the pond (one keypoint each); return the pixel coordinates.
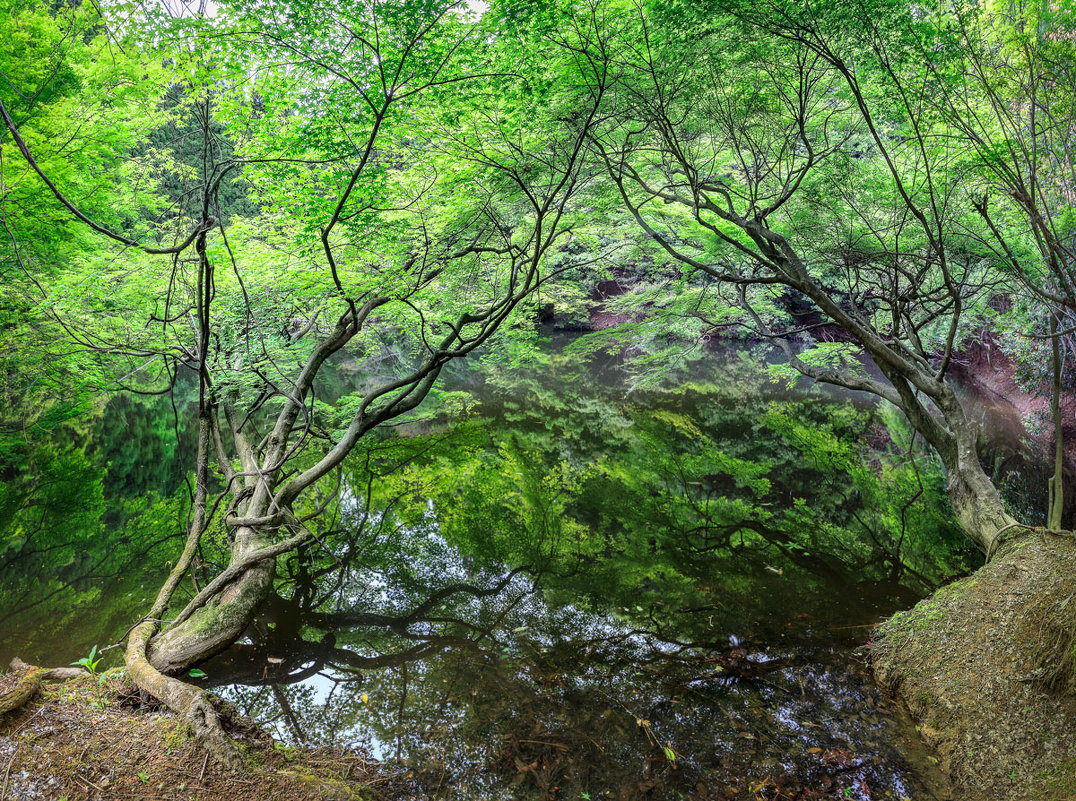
(568, 586)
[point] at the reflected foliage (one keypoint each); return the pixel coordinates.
(573, 584)
(511, 693)
(81, 543)
(719, 464)
(691, 565)
(145, 444)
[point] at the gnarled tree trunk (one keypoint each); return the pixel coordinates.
(977, 504)
(215, 626)
(975, 500)
(191, 703)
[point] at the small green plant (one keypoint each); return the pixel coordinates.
(89, 662)
(195, 673)
(670, 754)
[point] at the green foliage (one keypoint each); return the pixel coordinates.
(338, 176)
(90, 662)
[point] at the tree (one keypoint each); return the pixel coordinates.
(1002, 78)
(395, 181)
(409, 193)
(799, 175)
(815, 180)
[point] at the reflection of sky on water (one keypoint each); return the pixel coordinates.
(554, 687)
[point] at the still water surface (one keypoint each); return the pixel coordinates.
(690, 617)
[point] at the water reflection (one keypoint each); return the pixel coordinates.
(471, 684)
(693, 570)
(586, 593)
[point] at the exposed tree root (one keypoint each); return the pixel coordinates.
(29, 683)
(193, 704)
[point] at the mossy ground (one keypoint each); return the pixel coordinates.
(77, 741)
(984, 666)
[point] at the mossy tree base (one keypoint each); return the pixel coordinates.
(985, 666)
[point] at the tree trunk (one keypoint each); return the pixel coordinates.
(191, 703)
(1056, 486)
(222, 621)
(977, 505)
(976, 502)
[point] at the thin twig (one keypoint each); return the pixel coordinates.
(7, 773)
(84, 779)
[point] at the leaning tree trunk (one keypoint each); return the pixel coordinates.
(193, 704)
(210, 629)
(975, 500)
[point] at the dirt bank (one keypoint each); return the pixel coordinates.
(1017, 425)
(986, 668)
(79, 741)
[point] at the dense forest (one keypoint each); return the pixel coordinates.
(542, 399)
